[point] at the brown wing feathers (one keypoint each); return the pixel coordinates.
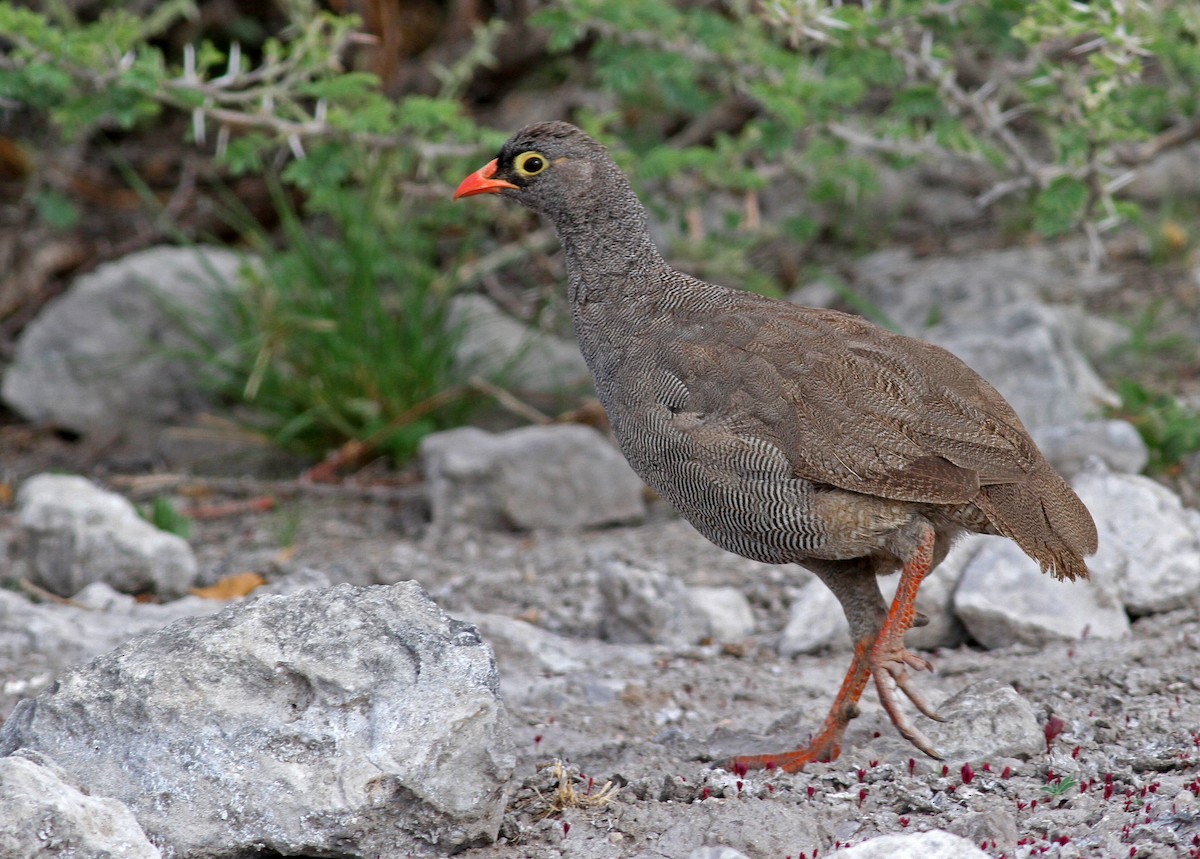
(903, 429)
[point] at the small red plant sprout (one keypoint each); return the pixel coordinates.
(1053, 727)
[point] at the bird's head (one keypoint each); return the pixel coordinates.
(550, 167)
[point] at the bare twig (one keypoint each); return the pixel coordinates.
(1136, 154)
(509, 401)
(47, 596)
(538, 242)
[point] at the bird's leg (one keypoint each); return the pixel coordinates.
(855, 585)
(827, 745)
(878, 649)
(889, 661)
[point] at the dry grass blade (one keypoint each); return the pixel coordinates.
(566, 795)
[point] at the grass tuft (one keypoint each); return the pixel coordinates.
(343, 333)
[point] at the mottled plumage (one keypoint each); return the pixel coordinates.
(786, 433)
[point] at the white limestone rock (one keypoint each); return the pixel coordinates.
(1149, 542)
(558, 477)
(345, 721)
(109, 354)
(1004, 598)
(43, 814)
(79, 533)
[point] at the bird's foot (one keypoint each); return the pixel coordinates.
(826, 747)
(889, 660)
(889, 666)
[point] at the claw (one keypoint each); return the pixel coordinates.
(916, 662)
(886, 683)
(889, 665)
(918, 700)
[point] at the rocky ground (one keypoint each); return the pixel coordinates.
(631, 656)
(616, 743)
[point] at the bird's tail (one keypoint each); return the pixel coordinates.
(1044, 516)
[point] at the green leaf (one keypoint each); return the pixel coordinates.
(1058, 207)
(56, 210)
(348, 86)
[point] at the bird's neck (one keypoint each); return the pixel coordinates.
(609, 252)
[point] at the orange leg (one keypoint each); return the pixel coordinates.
(881, 654)
(890, 660)
(827, 745)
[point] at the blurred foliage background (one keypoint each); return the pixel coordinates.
(767, 137)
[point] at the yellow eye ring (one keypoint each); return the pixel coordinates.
(530, 163)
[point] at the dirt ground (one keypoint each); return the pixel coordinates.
(616, 743)
(1121, 779)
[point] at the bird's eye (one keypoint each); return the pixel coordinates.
(530, 163)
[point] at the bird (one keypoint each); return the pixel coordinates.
(789, 434)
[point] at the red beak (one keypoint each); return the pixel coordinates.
(481, 182)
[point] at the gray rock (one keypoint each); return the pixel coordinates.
(918, 293)
(561, 477)
(729, 615)
(79, 533)
(1149, 542)
(345, 721)
(1171, 175)
(935, 844)
(986, 720)
(1069, 446)
(1027, 354)
(40, 641)
(1004, 598)
(716, 852)
(43, 814)
(525, 357)
(107, 355)
(644, 606)
(815, 621)
(1095, 336)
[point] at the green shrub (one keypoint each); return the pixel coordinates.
(1048, 107)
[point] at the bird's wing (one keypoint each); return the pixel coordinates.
(854, 406)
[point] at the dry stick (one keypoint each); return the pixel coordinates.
(43, 594)
(509, 401)
(536, 242)
(504, 398)
(258, 504)
(1136, 154)
(140, 486)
